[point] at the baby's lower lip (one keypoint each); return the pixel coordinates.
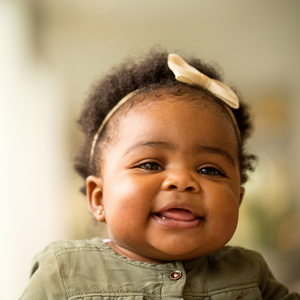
(176, 224)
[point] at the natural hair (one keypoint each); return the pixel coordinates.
(149, 74)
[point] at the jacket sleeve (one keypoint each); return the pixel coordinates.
(45, 279)
(270, 288)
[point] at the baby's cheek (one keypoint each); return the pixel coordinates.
(223, 218)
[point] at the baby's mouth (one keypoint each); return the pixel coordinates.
(177, 218)
(177, 214)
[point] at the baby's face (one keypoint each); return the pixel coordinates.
(170, 185)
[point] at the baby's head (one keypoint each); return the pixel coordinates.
(166, 170)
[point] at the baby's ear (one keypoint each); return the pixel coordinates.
(94, 194)
(242, 193)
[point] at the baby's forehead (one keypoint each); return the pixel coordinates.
(142, 106)
(204, 102)
(191, 107)
(181, 126)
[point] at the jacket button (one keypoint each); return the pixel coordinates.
(175, 275)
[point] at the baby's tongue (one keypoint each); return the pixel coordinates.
(177, 214)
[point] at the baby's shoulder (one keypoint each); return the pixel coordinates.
(63, 265)
(73, 246)
(65, 252)
(59, 257)
(238, 259)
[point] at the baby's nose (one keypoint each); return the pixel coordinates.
(181, 180)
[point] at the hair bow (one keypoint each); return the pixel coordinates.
(188, 74)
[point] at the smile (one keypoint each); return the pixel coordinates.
(177, 219)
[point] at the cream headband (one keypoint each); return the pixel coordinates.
(187, 74)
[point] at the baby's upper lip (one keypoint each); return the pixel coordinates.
(179, 205)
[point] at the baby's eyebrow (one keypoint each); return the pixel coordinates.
(217, 150)
(201, 148)
(151, 144)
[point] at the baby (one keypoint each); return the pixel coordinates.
(164, 164)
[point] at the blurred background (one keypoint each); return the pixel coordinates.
(52, 50)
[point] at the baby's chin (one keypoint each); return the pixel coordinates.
(168, 248)
(185, 251)
(178, 253)
(162, 258)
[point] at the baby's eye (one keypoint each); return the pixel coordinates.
(210, 171)
(152, 166)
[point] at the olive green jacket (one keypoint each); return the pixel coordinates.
(91, 270)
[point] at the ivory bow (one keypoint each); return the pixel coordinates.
(188, 74)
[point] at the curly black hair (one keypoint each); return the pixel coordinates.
(148, 74)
